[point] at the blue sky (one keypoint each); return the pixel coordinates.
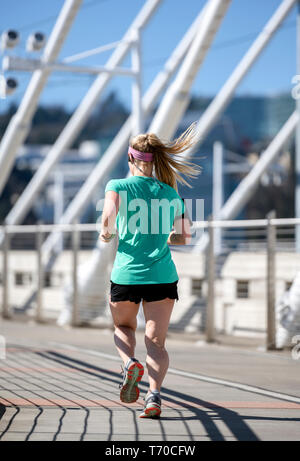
(103, 21)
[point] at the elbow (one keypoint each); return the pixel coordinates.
(187, 240)
(185, 232)
(183, 239)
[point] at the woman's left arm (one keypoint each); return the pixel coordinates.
(109, 215)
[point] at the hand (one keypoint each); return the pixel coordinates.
(106, 237)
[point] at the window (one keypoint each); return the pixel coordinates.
(23, 278)
(18, 278)
(197, 287)
(47, 279)
(242, 289)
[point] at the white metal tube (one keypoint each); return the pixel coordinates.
(172, 64)
(92, 52)
(78, 119)
(93, 227)
(223, 98)
(137, 108)
(93, 70)
(19, 125)
(30, 65)
(33, 228)
(177, 97)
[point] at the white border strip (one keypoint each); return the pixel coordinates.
(186, 374)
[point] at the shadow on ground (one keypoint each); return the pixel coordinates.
(209, 415)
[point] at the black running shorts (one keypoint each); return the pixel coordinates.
(149, 292)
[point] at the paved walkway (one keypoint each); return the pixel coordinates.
(60, 384)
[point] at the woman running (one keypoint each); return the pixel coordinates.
(145, 209)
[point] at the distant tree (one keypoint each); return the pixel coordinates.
(6, 117)
(15, 185)
(49, 121)
(105, 121)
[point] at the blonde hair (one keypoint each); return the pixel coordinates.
(169, 165)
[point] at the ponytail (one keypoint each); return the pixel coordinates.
(169, 165)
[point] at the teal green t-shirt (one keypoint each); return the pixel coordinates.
(145, 219)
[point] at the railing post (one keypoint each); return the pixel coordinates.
(75, 247)
(218, 155)
(40, 276)
(297, 142)
(210, 310)
(271, 283)
(5, 275)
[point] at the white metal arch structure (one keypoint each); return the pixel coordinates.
(118, 145)
(19, 125)
(220, 102)
(95, 278)
(164, 125)
(245, 189)
(242, 194)
(261, 42)
(214, 11)
(79, 118)
(177, 97)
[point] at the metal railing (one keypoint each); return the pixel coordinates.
(267, 233)
(267, 240)
(39, 231)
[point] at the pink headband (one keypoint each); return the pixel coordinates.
(145, 156)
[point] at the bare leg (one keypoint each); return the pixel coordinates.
(157, 316)
(124, 316)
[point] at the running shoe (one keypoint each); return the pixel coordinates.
(132, 375)
(152, 408)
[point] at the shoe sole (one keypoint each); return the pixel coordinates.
(130, 391)
(151, 412)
